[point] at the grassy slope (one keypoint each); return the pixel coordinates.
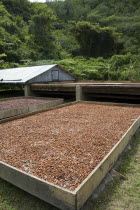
(124, 194)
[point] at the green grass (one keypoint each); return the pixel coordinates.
(118, 195)
(12, 198)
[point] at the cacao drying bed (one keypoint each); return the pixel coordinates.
(74, 198)
(10, 107)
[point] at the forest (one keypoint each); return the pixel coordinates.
(93, 39)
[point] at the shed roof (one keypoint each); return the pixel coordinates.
(23, 74)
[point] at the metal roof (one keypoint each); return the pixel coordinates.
(23, 74)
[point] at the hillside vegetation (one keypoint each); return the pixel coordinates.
(94, 39)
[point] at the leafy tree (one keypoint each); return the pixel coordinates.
(18, 8)
(94, 41)
(40, 29)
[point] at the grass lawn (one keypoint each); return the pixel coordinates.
(118, 195)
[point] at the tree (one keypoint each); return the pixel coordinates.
(18, 7)
(94, 41)
(40, 29)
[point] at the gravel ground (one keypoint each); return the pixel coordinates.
(64, 145)
(18, 103)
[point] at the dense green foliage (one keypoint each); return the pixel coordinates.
(94, 39)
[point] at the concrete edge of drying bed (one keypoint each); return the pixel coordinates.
(44, 190)
(58, 196)
(28, 97)
(87, 187)
(31, 108)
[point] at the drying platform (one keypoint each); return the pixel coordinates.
(10, 107)
(61, 155)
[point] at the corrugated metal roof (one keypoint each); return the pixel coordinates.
(23, 74)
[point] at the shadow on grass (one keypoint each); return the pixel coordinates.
(12, 198)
